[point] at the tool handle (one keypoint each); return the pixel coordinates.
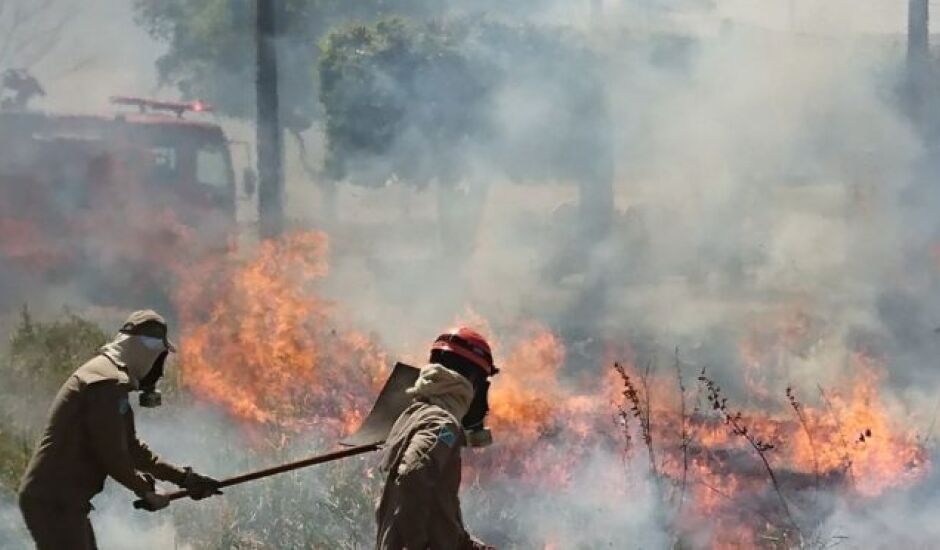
(274, 470)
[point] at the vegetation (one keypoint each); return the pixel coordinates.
(459, 102)
(31, 30)
(329, 508)
(407, 93)
(211, 54)
(41, 355)
(781, 517)
(387, 82)
(384, 83)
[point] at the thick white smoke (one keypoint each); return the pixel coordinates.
(762, 164)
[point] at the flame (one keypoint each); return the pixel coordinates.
(849, 443)
(859, 435)
(269, 349)
(24, 243)
(524, 400)
(544, 425)
(261, 342)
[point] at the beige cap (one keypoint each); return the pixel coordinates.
(147, 322)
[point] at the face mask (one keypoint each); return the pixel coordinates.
(478, 435)
(149, 396)
(151, 343)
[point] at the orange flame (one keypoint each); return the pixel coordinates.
(262, 343)
(269, 349)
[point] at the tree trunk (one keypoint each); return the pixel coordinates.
(270, 136)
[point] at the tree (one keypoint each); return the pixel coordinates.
(426, 102)
(413, 100)
(211, 54)
(403, 94)
(30, 30)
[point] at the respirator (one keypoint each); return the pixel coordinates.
(478, 435)
(149, 395)
(467, 352)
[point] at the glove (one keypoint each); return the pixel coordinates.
(152, 501)
(199, 486)
(151, 482)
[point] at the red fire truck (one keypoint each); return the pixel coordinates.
(108, 202)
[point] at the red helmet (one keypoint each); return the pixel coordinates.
(469, 344)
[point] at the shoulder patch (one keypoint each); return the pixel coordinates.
(447, 436)
(123, 405)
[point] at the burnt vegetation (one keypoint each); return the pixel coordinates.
(691, 455)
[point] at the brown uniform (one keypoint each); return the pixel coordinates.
(90, 435)
(419, 508)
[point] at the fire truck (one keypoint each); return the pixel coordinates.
(112, 203)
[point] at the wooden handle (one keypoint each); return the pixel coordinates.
(267, 472)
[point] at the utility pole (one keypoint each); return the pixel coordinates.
(791, 15)
(269, 133)
(918, 55)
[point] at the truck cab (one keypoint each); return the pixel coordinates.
(148, 185)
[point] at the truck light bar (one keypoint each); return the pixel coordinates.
(178, 107)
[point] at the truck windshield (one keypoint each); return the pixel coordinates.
(211, 166)
(165, 163)
(184, 155)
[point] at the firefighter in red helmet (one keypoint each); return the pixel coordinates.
(419, 508)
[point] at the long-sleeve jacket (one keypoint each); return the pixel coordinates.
(419, 508)
(90, 436)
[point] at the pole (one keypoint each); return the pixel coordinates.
(918, 53)
(791, 15)
(269, 133)
(274, 470)
(918, 29)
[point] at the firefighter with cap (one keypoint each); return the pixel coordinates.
(419, 508)
(90, 436)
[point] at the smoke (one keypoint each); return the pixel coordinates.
(13, 533)
(764, 179)
(677, 173)
(902, 517)
(91, 50)
(601, 506)
(750, 166)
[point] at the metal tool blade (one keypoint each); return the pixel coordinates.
(389, 405)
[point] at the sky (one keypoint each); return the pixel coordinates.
(101, 53)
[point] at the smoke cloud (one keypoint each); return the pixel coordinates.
(712, 176)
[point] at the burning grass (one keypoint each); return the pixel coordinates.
(260, 342)
(579, 460)
(754, 478)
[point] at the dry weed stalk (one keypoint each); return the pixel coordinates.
(735, 421)
(623, 414)
(798, 409)
(639, 408)
(684, 437)
(846, 456)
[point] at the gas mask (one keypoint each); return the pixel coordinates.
(149, 395)
(478, 435)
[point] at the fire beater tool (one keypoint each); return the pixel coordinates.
(389, 405)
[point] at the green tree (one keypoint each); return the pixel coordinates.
(403, 93)
(427, 81)
(211, 48)
(427, 102)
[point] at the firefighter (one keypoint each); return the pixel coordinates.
(419, 508)
(90, 436)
